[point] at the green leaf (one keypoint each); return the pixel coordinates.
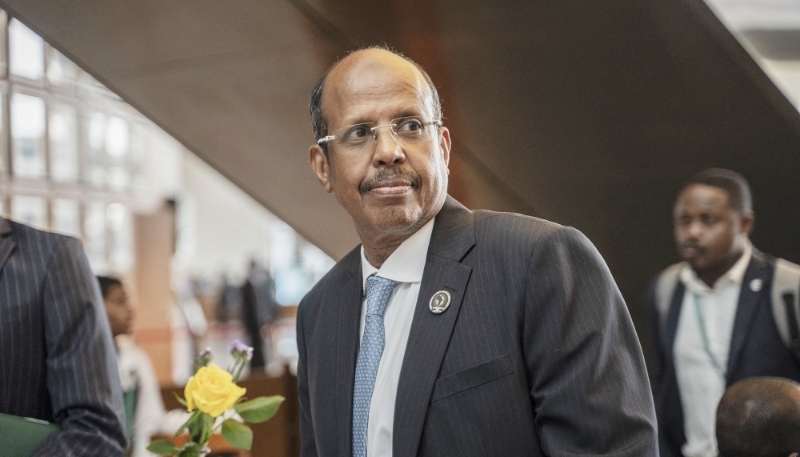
(180, 400)
(162, 447)
(189, 450)
(259, 409)
(237, 434)
(200, 426)
(188, 424)
(208, 424)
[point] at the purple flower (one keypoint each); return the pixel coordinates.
(204, 358)
(241, 350)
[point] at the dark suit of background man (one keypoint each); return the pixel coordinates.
(715, 323)
(57, 360)
(258, 309)
(534, 353)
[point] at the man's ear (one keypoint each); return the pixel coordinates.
(748, 219)
(444, 144)
(319, 164)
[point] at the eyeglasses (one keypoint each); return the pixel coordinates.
(406, 130)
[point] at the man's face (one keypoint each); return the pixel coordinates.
(708, 232)
(389, 188)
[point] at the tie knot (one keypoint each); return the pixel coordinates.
(378, 291)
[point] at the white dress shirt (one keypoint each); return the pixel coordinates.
(700, 382)
(405, 265)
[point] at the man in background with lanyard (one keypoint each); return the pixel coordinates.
(713, 319)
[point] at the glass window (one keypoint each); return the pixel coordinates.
(27, 130)
(88, 83)
(137, 156)
(117, 146)
(291, 284)
(316, 262)
(94, 229)
(61, 71)
(121, 239)
(26, 51)
(282, 246)
(30, 211)
(63, 134)
(66, 217)
(94, 164)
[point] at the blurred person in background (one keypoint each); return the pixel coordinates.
(228, 301)
(259, 310)
(760, 417)
(58, 361)
(144, 407)
(718, 316)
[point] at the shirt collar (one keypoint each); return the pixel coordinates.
(734, 275)
(406, 263)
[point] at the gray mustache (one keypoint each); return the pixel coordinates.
(389, 175)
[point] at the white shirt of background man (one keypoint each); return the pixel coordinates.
(405, 265)
(700, 383)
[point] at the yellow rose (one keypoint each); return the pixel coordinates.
(212, 390)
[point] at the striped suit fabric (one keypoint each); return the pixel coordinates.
(536, 355)
(57, 358)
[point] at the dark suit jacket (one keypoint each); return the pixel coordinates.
(756, 348)
(57, 360)
(536, 354)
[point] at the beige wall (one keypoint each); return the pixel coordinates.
(153, 236)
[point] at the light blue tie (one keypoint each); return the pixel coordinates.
(369, 356)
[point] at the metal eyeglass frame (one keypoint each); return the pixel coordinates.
(373, 130)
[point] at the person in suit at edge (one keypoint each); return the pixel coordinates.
(449, 331)
(58, 362)
(759, 417)
(716, 326)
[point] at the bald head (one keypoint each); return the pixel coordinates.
(327, 91)
(759, 417)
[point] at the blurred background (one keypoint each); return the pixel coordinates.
(172, 137)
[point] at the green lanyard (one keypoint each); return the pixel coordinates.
(701, 322)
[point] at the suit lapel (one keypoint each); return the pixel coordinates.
(748, 305)
(453, 236)
(7, 242)
(348, 317)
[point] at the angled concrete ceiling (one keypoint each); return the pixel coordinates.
(587, 113)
